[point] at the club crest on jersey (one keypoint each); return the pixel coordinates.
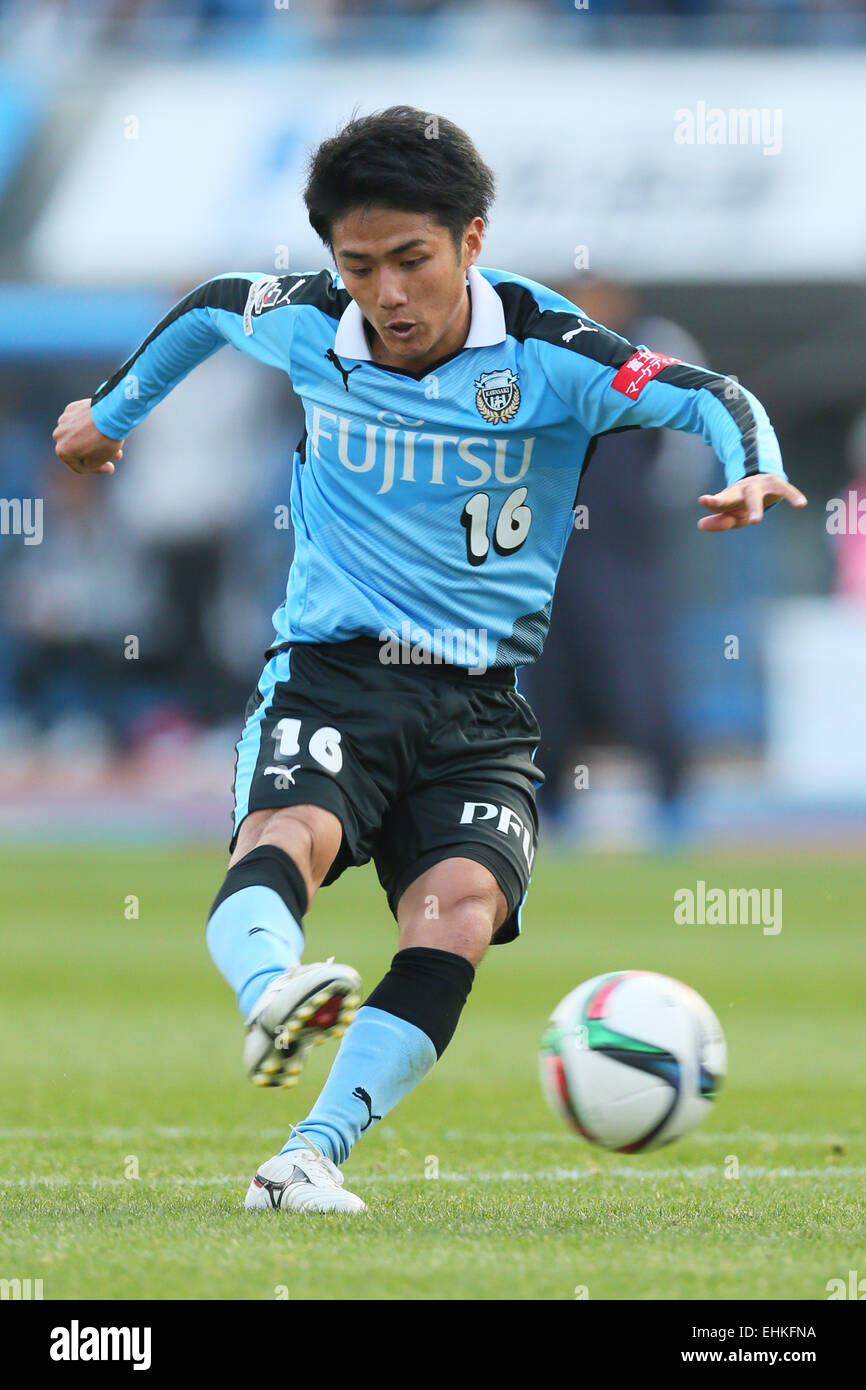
(266, 294)
(497, 396)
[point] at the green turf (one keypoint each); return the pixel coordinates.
(120, 1052)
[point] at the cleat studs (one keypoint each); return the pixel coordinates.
(338, 1031)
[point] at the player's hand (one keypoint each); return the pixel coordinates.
(744, 502)
(79, 443)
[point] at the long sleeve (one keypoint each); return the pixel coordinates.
(610, 384)
(228, 309)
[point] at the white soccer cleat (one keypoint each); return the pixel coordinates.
(301, 1180)
(302, 1007)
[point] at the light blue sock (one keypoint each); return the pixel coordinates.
(253, 937)
(382, 1058)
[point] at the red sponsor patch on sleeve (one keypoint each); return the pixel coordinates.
(640, 368)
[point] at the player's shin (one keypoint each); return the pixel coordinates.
(401, 1031)
(254, 932)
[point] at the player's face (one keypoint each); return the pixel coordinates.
(409, 281)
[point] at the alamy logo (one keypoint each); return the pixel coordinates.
(443, 646)
(854, 1288)
(719, 907)
(731, 125)
(22, 516)
(20, 1289)
(77, 1343)
(497, 396)
(360, 1094)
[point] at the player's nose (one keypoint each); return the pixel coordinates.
(392, 294)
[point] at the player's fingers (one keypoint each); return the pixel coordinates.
(786, 490)
(722, 521)
(720, 501)
(753, 498)
(80, 465)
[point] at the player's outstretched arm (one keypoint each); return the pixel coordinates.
(611, 384)
(744, 503)
(89, 434)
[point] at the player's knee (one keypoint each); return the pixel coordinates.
(465, 928)
(310, 836)
(483, 909)
(455, 908)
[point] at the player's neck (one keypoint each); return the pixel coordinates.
(450, 342)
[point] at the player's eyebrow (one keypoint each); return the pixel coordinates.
(395, 250)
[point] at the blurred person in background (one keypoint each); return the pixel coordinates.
(186, 510)
(71, 601)
(605, 672)
(149, 600)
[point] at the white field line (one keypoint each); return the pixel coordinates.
(456, 1136)
(715, 1136)
(553, 1175)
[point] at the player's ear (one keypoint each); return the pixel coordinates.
(472, 241)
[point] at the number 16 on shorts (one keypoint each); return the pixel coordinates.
(323, 745)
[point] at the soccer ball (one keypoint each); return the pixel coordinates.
(632, 1060)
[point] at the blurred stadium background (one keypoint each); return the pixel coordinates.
(711, 686)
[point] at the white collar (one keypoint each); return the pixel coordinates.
(486, 327)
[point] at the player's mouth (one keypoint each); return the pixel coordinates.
(401, 329)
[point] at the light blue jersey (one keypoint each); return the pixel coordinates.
(433, 508)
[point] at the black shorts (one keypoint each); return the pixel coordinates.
(419, 763)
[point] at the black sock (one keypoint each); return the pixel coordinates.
(267, 866)
(426, 987)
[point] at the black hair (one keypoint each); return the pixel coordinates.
(400, 158)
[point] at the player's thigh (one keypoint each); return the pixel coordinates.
(455, 905)
(305, 777)
(310, 835)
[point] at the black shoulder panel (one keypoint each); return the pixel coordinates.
(577, 333)
(237, 295)
(315, 289)
(572, 332)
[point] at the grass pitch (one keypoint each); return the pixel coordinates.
(129, 1132)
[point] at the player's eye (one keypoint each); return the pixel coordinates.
(359, 270)
(417, 261)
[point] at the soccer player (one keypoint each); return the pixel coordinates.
(450, 411)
